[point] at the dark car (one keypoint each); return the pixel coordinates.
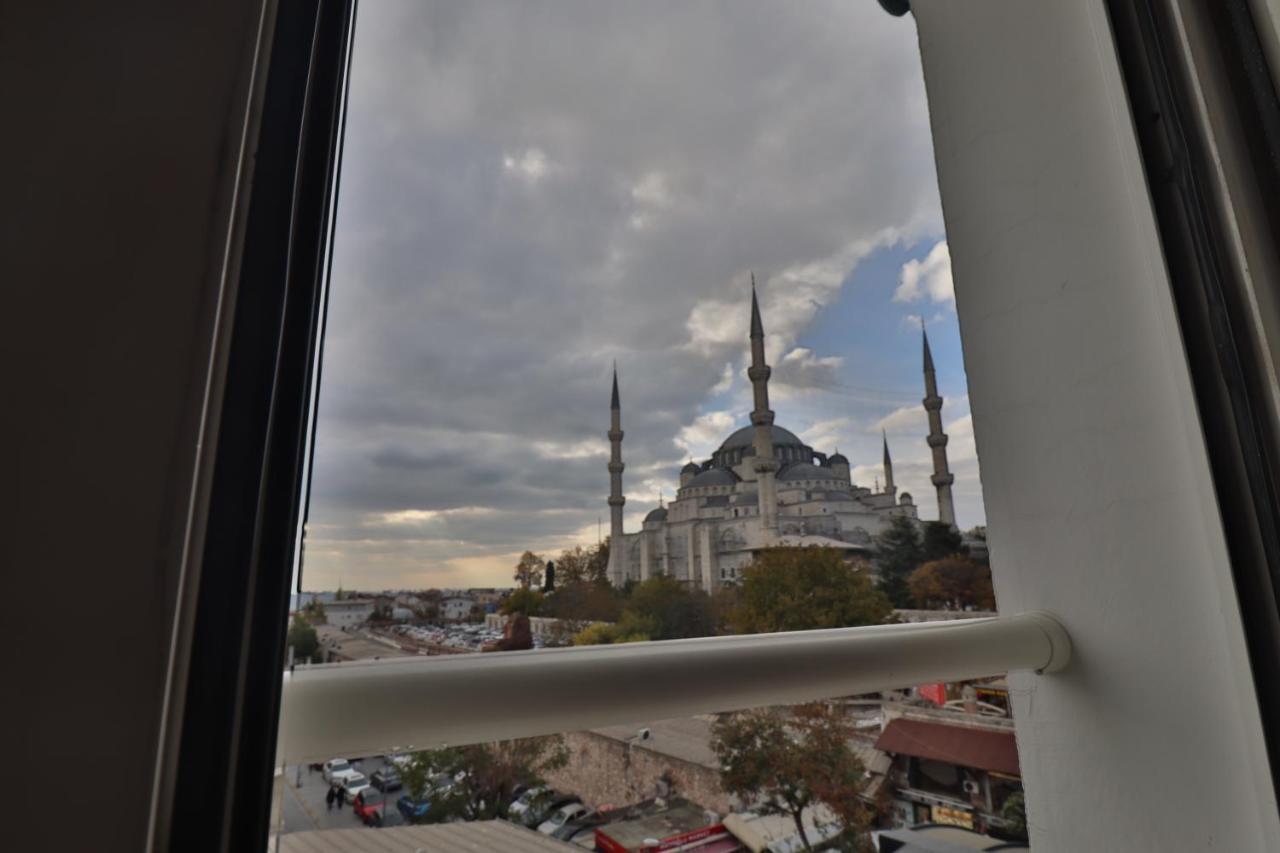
(386, 818)
(386, 779)
(544, 807)
(413, 811)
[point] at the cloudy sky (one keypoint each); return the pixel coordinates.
(533, 191)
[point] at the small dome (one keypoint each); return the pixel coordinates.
(838, 459)
(712, 477)
(691, 468)
(659, 514)
(805, 471)
(905, 499)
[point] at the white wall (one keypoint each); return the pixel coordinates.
(1094, 474)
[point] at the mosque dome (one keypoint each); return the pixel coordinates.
(659, 514)
(746, 437)
(838, 459)
(805, 471)
(712, 477)
(691, 468)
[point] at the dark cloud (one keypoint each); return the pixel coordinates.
(531, 191)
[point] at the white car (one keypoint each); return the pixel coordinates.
(400, 760)
(354, 783)
(525, 801)
(340, 777)
(560, 816)
(335, 765)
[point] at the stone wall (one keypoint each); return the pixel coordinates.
(607, 771)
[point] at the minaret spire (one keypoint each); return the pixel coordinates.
(942, 477)
(889, 487)
(617, 569)
(765, 464)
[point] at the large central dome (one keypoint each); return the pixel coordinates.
(746, 437)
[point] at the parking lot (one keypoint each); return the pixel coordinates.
(302, 807)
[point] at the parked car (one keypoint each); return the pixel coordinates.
(389, 818)
(340, 777)
(399, 760)
(584, 825)
(545, 807)
(386, 779)
(560, 816)
(334, 765)
(524, 801)
(354, 784)
(368, 805)
(412, 810)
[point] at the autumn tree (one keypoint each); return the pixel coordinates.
(956, 582)
(303, 638)
(485, 775)
(784, 763)
(529, 570)
(671, 609)
(524, 600)
(898, 553)
(799, 589)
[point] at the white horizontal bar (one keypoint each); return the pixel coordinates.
(370, 707)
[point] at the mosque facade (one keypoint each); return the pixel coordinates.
(762, 488)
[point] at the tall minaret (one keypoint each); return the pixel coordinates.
(889, 487)
(762, 418)
(942, 478)
(617, 568)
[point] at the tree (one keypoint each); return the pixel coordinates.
(671, 609)
(799, 589)
(898, 554)
(783, 765)
(941, 540)
(573, 566)
(303, 638)
(598, 562)
(606, 633)
(524, 600)
(485, 775)
(1014, 812)
(953, 582)
(529, 570)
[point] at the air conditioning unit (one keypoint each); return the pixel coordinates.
(970, 787)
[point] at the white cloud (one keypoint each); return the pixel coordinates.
(704, 435)
(726, 380)
(930, 277)
(907, 419)
(532, 164)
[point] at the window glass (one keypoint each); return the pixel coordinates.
(641, 327)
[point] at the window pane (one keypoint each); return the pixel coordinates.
(641, 327)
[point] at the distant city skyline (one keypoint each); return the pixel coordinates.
(527, 196)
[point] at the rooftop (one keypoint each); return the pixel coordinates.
(963, 746)
(479, 836)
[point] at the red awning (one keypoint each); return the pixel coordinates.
(978, 748)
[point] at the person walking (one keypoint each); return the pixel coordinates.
(329, 797)
(342, 796)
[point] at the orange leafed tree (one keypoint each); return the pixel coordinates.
(952, 582)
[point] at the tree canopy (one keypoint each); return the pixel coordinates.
(524, 600)
(941, 540)
(303, 638)
(529, 570)
(485, 774)
(799, 589)
(953, 582)
(898, 553)
(784, 763)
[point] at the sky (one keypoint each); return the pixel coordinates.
(533, 192)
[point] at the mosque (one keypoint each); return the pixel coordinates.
(763, 487)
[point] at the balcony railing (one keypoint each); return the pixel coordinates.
(371, 707)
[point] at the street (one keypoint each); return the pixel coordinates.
(304, 808)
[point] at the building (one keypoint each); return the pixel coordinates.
(348, 612)
(763, 487)
(456, 608)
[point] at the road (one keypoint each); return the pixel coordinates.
(303, 807)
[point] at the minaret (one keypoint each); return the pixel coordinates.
(762, 418)
(617, 568)
(889, 487)
(942, 478)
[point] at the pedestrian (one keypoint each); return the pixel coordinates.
(329, 798)
(342, 797)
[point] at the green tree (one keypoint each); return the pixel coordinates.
(605, 633)
(486, 774)
(953, 582)
(303, 638)
(898, 553)
(784, 764)
(670, 608)
(598, 562)
(529, 570)
(941, 540)
(523, 600)
(1014, 811)
(572, 566)
(799, 589)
